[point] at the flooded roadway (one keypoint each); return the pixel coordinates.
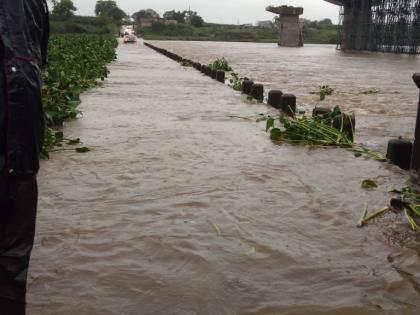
(181, 209)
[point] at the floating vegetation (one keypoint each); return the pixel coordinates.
(368, 217)
(83, 150)
(369, 92)
(220, 64)
(75, 65)
(55, 141)
(323, 91)
(305, 130)
(236, 82)
(334, 129)
(186, 63)
(408, 200)
(369, 184)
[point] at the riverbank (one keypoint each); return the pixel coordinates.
(234, 33)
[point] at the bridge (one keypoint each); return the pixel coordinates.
(380, 25)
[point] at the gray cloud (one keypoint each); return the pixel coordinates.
(221, 11)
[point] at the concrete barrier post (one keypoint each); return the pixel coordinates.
(220, 76)
(247, 86)
(274, 98)
(399, 152)
(257, 92)
(288, 104)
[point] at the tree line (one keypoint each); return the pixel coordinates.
(109, 9)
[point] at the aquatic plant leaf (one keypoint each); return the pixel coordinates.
(369, 184)
(73, 141)
(270, 124)
(416, 209)
(275, 134)
(415, 227)
(220, 64)
(59, 135)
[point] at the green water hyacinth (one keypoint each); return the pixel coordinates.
(220, 64)
(305, 130)
(411, 201)
(76, 63)
(319, 131)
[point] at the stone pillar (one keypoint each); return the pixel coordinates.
(289, 26)
(357, 24)
(364, 24)
(348, 40)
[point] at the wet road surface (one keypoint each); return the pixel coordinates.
(182, 209)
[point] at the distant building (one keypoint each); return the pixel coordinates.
(246, 26)
(170, 22)
(147, 22)
(265, 24)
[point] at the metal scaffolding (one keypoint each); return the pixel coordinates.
(380, 25)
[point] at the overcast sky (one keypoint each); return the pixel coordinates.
(221, 11)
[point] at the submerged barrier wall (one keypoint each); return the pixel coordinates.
(400, 152)
(276, 98)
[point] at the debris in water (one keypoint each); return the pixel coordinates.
(369, 184)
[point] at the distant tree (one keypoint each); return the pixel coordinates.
(110, 9)
(127, 20)
(302, 21)
(197, 21)
(158, 27)
(145, 14)
(325, 22)
(175, 15)
(63, 8)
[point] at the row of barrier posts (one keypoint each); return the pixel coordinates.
(283, 102)
(401, 152)
(276, 98)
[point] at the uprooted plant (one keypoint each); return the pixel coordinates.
(220, 64)
(236, 82)
(323, 92)
(408, 200)
(334, 129)
(305, 130)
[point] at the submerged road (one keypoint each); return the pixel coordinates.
(182, 209)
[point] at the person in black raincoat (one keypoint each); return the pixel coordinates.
(24, 28)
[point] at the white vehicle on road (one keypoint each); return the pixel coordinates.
(131, 38)
(128, 34)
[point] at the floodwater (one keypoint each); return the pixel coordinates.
(182, 208)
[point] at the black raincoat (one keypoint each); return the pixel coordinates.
(24, 28)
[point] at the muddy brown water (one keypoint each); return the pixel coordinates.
(182, 209)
